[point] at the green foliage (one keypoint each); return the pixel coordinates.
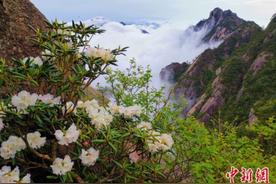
(264, 109)
(258, 92)
(209, 154)
(134, 87)
(265, 131)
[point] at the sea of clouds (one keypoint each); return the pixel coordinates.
(153, 44)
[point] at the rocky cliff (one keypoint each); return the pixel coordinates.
(17, 20)
(235, 80)
(172, 72)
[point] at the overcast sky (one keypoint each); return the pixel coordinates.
(186, 12)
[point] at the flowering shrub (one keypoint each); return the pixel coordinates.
(51, 135)
(48, 134)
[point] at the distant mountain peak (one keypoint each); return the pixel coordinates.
(216, 10)
(220, 24)
(216, 13)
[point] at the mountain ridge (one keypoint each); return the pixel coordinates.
(217, 82)
(220, 24)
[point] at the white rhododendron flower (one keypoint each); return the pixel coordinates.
(98, 115)
(49, 99)
(81, 104)
(70, 136)
(100, 118)
(26, 179)
(62, 166)
(131, 111)
(7, 175)
(35, 140)
(69, 107)
(11, 146)
(35, 61)
(144, 126)
(153, 147)
(159, 142)
(24, 60)
(113, 108)
(45, 54)
(38, 61)
(89, 157)
(1, 125)
(89, 105)
(166, 142)
(23, 100)
(153, 142)
(104, 54)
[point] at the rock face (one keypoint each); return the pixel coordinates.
(172, 72)
(259, 62)
(252, 118)
(16, 19)
(235, 77)
(206, 68)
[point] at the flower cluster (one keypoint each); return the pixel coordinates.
(127, 112)
(144, 126)
(156, 141)
(88, 105)
(114, 109)
(159, 142)
(104, 54)
(131, 111)
(71, 135)
(24, 99)
(7, 175)
(99, 116)
(10, 147)
(15, 144)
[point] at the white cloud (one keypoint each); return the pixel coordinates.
(162, 46)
